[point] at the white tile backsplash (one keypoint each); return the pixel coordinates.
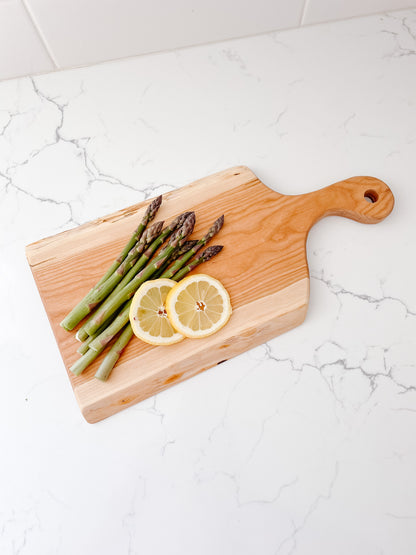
(21, 49)
(42, 35)
(81, 32)
(318, 11)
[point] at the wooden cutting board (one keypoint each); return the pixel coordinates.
(263, 266)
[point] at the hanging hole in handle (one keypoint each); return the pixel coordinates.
(371, 196)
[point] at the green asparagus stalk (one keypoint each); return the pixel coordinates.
(82, 363)
(99, 293)
(100, 342)
(180, 262)
(139, 265)
(147, 255)
(85, 345)
(72, 319)
(123, 318)
(149, 216)
(114, 353)
(180, 252)
(176, 240)
(81, 334)
(103, 290)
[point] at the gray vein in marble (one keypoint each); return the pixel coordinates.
(153, 410)
(129, 519)
(221, 423)
(20, 544)
(80, 144)
(296, 82)
(11, 116)
(165, 445)
(234, 57)
(312, 508)
(405, 409)
(275, 37)
(153, 189)
(56, 499)
(41, 382)
(347, 121)
(261, 434)
(270, 501)
(337, 289)
(273, 499)
(146, 124)
(9, 183)
(399, 50)
(401, 517)
(276, 123)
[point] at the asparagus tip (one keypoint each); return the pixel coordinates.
(153, 231)
(187, 246)
(219, 222)
(213, 230)
(179, 221)
(188, 226)
(154, 206)
(210, 252)
(180, 235)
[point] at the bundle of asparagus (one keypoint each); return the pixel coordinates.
(108, 302)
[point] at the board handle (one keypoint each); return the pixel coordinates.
(364, 199)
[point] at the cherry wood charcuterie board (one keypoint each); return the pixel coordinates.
(263, 265)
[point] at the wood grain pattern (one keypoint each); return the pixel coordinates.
(263, 266)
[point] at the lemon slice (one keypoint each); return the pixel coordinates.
(148, 316)
(198, 306)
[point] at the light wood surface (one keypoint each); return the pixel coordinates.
(263, 266)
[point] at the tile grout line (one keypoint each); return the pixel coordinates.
(40, 34)
(302, 18)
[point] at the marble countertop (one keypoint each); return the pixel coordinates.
(304, 445)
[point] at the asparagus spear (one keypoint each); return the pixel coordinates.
(203, 257)
(103, 290)
(147, 255)
(123, 322)
(85, 345)
(213, 230)
(100, 342)
(100, 292)
(149, 215)
(180, 252)
(81, 364)
(71, 320)
(177, 240)
(150, 250)
(90, 326)
(114, 353)
(81, 334)
(112, 357)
